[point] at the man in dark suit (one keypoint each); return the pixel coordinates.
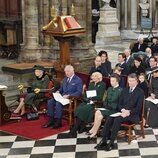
(139, 46)
(129, 59)
(121, 64)
(98, 67)
(130, 104)
(71, 86)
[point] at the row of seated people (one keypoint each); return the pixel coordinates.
(141, 45)
(126, 62)
(55, 108)
(127, 101)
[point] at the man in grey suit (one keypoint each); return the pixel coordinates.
(130, 105)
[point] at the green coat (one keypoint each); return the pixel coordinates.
(37, 83)
(111, 101)
(85, 111)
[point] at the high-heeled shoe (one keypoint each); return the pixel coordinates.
(90, 138)
(88, 133)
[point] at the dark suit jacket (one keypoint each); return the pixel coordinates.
(100, 69)
(124, 68)
(74, 88)
(133, 102)
(142, 47)
(130, 62)
(107, 66)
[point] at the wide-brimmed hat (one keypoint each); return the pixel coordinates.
(38, 67)
(154, 69)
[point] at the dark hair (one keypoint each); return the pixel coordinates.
(133, 75)
(114, 75)
(103, 52)
(138, 59)
(123, 55)
(152, 57)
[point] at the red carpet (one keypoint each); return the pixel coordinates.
(32, 129)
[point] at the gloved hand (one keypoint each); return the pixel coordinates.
(37, 90)
(20, 87)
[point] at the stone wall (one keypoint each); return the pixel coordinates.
(38, 46)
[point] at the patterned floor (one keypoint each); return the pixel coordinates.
(61, 146)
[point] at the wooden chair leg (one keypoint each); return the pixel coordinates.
(130, 135)
(142, 130)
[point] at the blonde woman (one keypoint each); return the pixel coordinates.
(110, 104)
(84, 112)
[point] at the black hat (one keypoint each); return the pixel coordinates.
(38, 67)
(154, 69)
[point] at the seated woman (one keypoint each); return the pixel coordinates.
(137, 68)
(110, 104)
(105, 61)
(143, 84)
(84, 112)
(151, 108)
(40, 81)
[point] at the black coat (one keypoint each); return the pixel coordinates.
(137, 70)
(142, 47)
(107, 66)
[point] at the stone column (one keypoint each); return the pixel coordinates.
(126, 14)
(30, 49)
(107, 26)
(133, 14)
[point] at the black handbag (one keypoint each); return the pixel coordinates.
(32, 116)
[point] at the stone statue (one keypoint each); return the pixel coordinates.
(144, 5)
(106, 3)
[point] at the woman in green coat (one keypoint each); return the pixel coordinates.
(84, 112)
(40, 81)
(110, 104)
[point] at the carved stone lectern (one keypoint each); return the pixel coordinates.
(4, 112)
(63, 29)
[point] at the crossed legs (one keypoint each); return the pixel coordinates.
(97, 122)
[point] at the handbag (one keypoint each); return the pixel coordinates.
(32, 116)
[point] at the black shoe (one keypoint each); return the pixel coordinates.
(101, 145)
(109, 147)
(48, 124)
(57, 124)
(81, 130)
(72, 134)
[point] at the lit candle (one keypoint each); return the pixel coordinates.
(53, 11)
(72, 10)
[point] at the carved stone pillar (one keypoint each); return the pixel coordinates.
(134, 14)
(107, 26)
(30, 48)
